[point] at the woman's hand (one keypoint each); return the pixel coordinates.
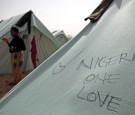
(12, 49)
(4, 38)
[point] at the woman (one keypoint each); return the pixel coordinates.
(16, 48)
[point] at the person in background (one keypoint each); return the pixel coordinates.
(16, 49)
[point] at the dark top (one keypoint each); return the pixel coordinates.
(17, 43)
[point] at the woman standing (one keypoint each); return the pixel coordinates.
(16, 48)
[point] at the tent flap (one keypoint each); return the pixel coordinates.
(24, 19)
(99, 11)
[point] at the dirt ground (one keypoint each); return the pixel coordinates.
(5, 85)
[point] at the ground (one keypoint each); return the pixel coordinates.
(5, 85)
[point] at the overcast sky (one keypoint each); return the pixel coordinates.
(66, 15)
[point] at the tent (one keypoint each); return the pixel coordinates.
(93, 74)
(30, 27)
(60, 36)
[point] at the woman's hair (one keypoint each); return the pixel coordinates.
(15, 29)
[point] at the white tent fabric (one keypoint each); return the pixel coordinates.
(91, 75)
(45, 41)
(60, 36)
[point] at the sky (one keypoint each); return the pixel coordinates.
(66, 15)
